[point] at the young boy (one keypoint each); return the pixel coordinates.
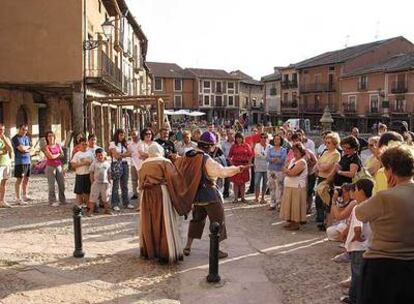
(100, 170)
(357, 241)
(341, 198)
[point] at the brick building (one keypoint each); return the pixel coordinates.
(380, 92)
(170, 79)
(320, 76)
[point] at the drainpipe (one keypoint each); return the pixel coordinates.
(118, 15)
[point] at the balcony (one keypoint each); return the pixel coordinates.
(289, 105)
(285, 84)
(317, 87)
(399, 109)
(350, 108)
(293, 84)
(399, 87)
(102, 73)
(312, 108)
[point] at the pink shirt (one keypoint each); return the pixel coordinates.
(55, 149)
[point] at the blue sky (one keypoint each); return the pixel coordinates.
(254, 36)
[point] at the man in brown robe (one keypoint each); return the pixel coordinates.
(163, 199)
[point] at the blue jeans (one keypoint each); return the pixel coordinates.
(259, 176)
(356, 270)
(123, 182)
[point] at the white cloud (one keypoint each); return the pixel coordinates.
(256, 35)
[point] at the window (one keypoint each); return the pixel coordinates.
(374, 103)
(363, 83)
(207, 86)
(351, 106)
(273, 91)
(218, 87)
(285, 97)
(230, 101)
(254, 100)
(400, 105)
(219, 101)
(206, 100)
(230, 88)
(158, 84)
(286, 76)
(294, 96)
(178, 83)
(246, 101)
(178, 101)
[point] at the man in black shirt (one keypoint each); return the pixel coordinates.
(363, 144)
(170, 151)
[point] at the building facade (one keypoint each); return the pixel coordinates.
(320, 77)
(251, 98)
(289, 94)
(271, 96)
(47, 76)
(170, 79)
(217, 93)
(381, 92)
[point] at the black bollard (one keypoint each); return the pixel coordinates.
(213, 269)
(78, 253)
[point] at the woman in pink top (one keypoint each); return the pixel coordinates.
(54, 170)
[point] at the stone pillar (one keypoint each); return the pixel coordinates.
(78, 114)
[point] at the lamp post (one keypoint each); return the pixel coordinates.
(89, 45)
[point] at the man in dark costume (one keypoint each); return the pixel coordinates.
(200, 172)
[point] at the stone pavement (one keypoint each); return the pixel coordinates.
(266, 264)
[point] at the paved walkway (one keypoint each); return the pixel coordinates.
(266, 264)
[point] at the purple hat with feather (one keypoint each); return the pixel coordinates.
(208, 138)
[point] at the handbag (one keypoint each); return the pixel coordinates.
(362, 173)
(323, 191)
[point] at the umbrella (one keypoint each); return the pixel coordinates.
(196, 113)
(169, 112)
(181, 112)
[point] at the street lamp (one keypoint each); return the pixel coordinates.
(88, 45)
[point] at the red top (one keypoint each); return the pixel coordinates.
(252, 140)
(240, 154)
(55, 149)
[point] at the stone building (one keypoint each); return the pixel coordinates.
(46, 75)
(251, 97)
(217, 93)
(271, 96)
(289, 94)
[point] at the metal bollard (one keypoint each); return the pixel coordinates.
(213, 269)
(78, 253)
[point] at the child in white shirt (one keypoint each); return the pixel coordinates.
(357, 240)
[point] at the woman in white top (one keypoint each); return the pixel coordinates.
(293, 208)
(119, 170)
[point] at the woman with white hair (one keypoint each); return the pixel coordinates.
(161, 205)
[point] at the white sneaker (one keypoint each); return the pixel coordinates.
(27, 198)
(4, 204)
(19, 201)
(116, 208)
(130, 206)
(342, 258)
(55, 204)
